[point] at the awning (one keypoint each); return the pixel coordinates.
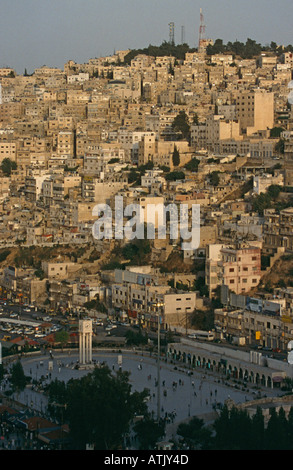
(278, 379)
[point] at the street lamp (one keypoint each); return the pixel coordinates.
(159, 305)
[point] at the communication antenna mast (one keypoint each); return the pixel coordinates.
(202, 29)
(171, 33)
(182, 35)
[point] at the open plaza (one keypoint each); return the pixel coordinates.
(184, 391)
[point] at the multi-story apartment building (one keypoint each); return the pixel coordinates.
(263, 328)
(7, 150)
(255, 110)
(160, 152)
(138, 294)
(237, 268)
(278, 229)
(143, 304)
(11, 111)
(99, 191)
(98, 157)
(66, 143)
(218, 129)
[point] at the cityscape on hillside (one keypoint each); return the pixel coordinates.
(88, 309)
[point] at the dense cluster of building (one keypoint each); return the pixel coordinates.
(85, 134)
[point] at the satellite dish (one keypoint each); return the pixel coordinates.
(290, 98)
(290, 84)
(290, 358)
(290, 345)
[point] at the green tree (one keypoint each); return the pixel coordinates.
(258, 430)
(280, 147)
(148, 432)
(271, 434)
(136, 253)
(57, 397)
(233, 430)
(290, 426)
(195, 434)
(276, 132)
(261, 202)
(7, 166)
(18, 379)
(134, 338)
(4, 254)
(192, 165)
(195, 119)
(274, 191)
(133, 176)
(175, 175)
(95, 304)
(217, 48)
(181, 125)
(222, 429)
(214, 178)
(100, 408)
(61, 337)
(2, 371)
(176, 157)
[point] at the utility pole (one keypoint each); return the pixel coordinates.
(159, 305)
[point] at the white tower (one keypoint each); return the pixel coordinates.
(85, 342)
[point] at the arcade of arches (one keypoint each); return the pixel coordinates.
(253, 373)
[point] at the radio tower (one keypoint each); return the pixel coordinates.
(172, 34)
(182, 35)
(202, 30)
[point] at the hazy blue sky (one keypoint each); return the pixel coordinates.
(38, 32)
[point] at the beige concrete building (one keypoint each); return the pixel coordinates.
(218, 128)
(58, 270)
(255, 111)
(7, 150)
(237, 268)
(161, 152)
(66, 143)
(262, 182)
(278, 229)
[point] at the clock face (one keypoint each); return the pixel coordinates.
(85, 326)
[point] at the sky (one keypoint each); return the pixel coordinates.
(51, 32)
